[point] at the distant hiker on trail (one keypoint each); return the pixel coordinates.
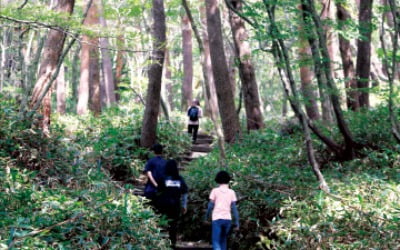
(155, 171)
(194, 113)
(172, 197)
(222, 202)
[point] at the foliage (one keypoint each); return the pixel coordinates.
(112, 140)
(280, 204)
(58, 191)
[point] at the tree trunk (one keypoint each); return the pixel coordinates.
(352, 98)
(89, 86)
(168, 80)
(149, 125)
(282, 61)
(50, 59)
(61, 91)
(108, 77)
(187, 88)
(207, 68)
(230, 120)
(323, 89)
(119, 64)
(306, 74)
(307, 86)
(246, 70)
(363, 65)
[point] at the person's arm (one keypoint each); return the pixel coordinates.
(210, 208)
(151, 178)
(235, 213)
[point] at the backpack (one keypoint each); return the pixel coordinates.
(193, 113)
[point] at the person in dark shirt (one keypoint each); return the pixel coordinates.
(155, 171)
(172, 197)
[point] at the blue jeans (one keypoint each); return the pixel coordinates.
(220, 230)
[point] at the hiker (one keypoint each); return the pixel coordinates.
(222, 202)
(194, 113)
(154, 170)
(172, 197)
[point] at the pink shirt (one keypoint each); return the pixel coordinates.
(222, 197)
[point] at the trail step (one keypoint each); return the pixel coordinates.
(201, 148)
(200, 245)
(204, 141)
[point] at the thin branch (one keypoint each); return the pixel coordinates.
(22, 5)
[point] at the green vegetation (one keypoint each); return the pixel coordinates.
(75, 188)
(280, 204)
(60, 192)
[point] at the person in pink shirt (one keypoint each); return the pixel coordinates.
(222, 202)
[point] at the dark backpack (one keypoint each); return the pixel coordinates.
(193, 113)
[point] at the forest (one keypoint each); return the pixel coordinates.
(299, 97)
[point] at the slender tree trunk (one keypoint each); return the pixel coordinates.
(307, 74)
(89, 86)
(119, 64)
(108, 77)
(75, 73)
(326, 105)
(50, 58)
(352, 97)
(149, 125)
(350, 143)
(307, 86)
(246, 69)
(61, 91)
(168, 80)
(281, 58)
(207, 67)
(230, 120)
(363, 65)
(187, 88)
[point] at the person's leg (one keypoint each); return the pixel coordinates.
(190, 129)
(226, 225)
(216, 235)
(173, 215)
(195, 130)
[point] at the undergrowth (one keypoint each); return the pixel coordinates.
(280, 204)
(71, 190)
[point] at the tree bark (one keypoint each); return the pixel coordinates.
(168, 80)
(108, 77)
(187, 88)
(363, 65)
(149, 125)
(307, 74)
(61, 91)
(246, 69)
(89, 85)
(119, 64)
(50, 59)
(352, 98)
(230, 120)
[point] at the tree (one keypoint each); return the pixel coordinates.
(229, 117)
(50, 59)
(363, 65)
(61, 91)
(352, 98)
(108, 77)
(307, 74)
(246, 70)
(149, 124)
(89, 86)
(187, 92)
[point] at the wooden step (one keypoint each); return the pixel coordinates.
(193, 245)
(204, 141)
(201, 148)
